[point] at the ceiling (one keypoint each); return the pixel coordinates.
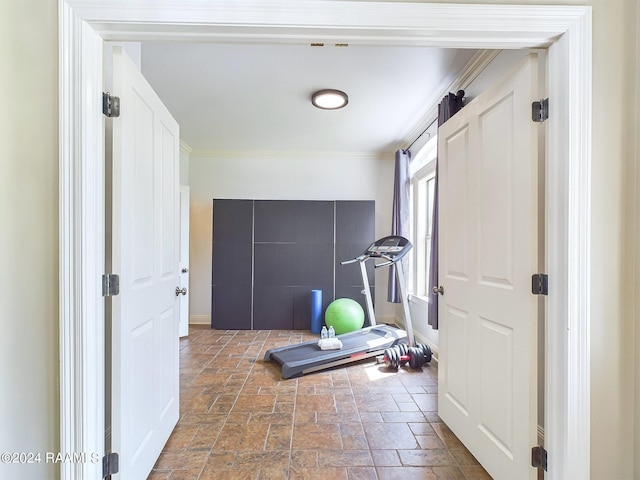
(245, 97)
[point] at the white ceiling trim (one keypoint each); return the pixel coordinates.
(478, 63)
(288, 154)
(185, 148)
(362, 22)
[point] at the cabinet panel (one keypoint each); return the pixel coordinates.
(293, 264)
(233, 221)
(273, 308)
(231, 307)
(231, 263)
(294, 221)
(355, 222)
(269, 254)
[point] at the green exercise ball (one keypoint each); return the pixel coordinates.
(344, 315)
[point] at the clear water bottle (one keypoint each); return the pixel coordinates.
(324, 333)
(332, 332)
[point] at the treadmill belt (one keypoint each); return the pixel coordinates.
(306, 357)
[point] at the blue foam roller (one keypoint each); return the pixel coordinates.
(316, 311)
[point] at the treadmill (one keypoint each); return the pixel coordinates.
(307, 357)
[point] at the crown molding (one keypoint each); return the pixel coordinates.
(475, 67)
(288, 154)
(185, 148)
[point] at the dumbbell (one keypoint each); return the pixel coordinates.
(396, 356)
(400, 355)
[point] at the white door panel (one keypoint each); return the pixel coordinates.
(488, 251)
(455, 204)
(145, 254)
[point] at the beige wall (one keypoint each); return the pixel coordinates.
(613, 223)
(29, 239)
(615, 332)
(29, 234)
(613, 227)
(612, 346)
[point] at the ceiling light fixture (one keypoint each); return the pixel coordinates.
(329, 99)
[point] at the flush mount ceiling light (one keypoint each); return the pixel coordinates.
(329, 99)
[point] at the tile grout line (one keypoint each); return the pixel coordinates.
(240, 378)
(364, 433)
(233, 405)
(227, 416)
(293, 426)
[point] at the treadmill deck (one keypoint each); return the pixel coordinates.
(307, 357)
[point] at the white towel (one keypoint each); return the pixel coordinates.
(332, 343)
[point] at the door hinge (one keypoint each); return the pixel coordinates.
(110, 464)
(110, 285)
(540, 284)
(540, 110)
(110, 105)
(539, 458)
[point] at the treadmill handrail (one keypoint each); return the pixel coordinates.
(385, 264)
(359, 258)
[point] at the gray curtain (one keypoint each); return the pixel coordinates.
(450, 105)
(400, 215)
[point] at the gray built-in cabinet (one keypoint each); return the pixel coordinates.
(269, 254)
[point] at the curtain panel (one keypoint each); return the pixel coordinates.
(450, 105)
(400, 216)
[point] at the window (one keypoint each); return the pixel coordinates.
(422, 173)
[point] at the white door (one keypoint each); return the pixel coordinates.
(145, 255)
(488, 250)
(185, 192)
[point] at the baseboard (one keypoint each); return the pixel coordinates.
(199, 319)
(419, 338)
(386, 320)
(434, 348)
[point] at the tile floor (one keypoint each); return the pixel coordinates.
(240, 420)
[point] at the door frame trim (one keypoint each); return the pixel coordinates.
(565, 30)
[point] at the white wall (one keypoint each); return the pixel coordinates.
(281, 176)
(29, 360)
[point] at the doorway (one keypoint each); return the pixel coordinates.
(84, 24)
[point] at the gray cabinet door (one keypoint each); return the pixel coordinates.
(231, 269)
(269, 254)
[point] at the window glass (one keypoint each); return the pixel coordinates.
(422, 197)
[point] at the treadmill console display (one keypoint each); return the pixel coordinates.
(393, 247)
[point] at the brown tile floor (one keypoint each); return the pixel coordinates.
(240, 420)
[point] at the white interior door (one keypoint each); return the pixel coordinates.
(145, 255)
(185, 192)
(488, 250)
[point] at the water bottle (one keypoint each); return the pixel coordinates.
(324, 333)
(332, 332)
